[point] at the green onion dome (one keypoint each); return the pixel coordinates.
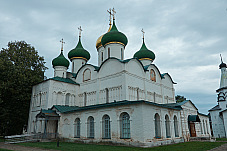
(79, 52)
(144, 53)
(60, 61)
(114, 36)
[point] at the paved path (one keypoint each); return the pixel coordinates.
(20, 148)
(220, 148)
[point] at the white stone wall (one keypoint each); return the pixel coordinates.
(60, 71)
(47, 94)
(141, 124)
(217, 124)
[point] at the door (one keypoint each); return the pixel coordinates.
(192, 129)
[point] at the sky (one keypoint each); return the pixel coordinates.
(187, 36)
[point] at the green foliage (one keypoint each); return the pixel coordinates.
(188, 146)
(20, 68)
(180, 98)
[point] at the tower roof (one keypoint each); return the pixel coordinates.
(222, 65)
(79, 52)
(144, 53)
(60, 61)
(114, 36)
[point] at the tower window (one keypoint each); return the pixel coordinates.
(152, 75)
(121, 54)
(102, 56)
(108, 52)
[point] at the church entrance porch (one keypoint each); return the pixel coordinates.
(47, 124)
(192, 119)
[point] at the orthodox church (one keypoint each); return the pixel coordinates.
(127, 101)
(218, 113)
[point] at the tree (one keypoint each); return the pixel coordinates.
(180, 98)
(20, 68)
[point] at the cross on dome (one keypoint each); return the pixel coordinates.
(221, 59)
(143, 32)
(109, 11)
(62, 42)
(80, 30)
(113, 13)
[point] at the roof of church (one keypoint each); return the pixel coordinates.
(181, 103)
(221, 89)
(68, 109)
(217, 107)
(67, 80)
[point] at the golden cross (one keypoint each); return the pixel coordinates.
(109, 11)
(143, 32)
(114, 12)
(80, 30)
(62, 42)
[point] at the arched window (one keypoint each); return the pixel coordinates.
(176, 126)
(91, 127)
(167, 123)
(106, 127)
(125, 125)
(107, 95)
(122, 54)
(77, 128)
(102, 56)
(73, 67)
(67, 99)
(137, 93)
(108, 52)
(157, 126)
(152, 75)
(85, 98)
(87, 75)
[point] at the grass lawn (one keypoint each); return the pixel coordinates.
(4, 149)
(65, 146)
(221, 139)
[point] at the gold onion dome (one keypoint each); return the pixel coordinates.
(98, 42)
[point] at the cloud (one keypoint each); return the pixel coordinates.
(186, 36)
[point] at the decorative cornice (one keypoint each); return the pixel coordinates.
(114, 42)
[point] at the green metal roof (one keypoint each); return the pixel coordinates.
(79, 51)
(114, 36)
(144, 53)
(47, 113)
(193, 118)
(67, 80)
(69, 109)
(60, 61)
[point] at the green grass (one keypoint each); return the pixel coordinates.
(4, 149)
(221, 139)
(65, 146)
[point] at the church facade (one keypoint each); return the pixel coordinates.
(218, 113)
(126, 101)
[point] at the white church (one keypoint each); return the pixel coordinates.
(218, 113)
(127, 101)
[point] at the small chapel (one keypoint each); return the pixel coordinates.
(126, 101)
